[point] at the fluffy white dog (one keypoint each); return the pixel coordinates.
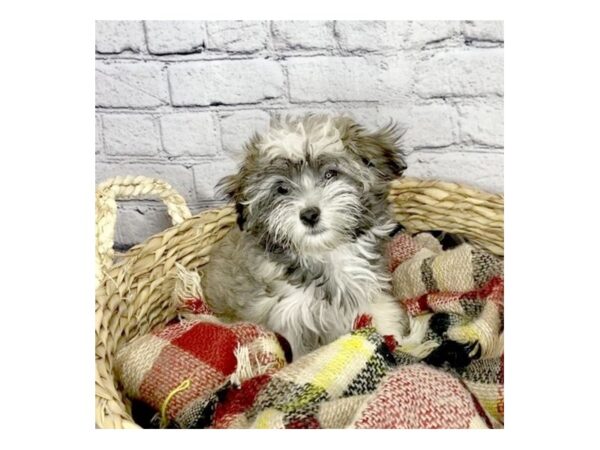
(308, 257)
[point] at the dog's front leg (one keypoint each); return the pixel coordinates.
(297, 344)
(388, 315)
(291, 318)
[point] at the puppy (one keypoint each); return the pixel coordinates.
(308, 256)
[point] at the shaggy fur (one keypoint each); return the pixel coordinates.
(308, 255)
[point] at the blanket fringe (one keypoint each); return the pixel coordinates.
(248, 365)
(189, 283)
(188, 287)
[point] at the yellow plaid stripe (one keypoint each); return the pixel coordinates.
(345, 358)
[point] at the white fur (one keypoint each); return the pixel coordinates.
(346, 275)
(301, 314)
(283, 140)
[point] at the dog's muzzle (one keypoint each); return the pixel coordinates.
(310, 216)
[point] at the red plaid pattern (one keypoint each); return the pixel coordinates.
(201, 351)
(178, 370)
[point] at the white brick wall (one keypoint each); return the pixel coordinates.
(177, 99)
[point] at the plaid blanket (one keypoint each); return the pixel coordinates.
(201, 372)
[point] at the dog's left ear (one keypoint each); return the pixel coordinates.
(231, 187)
(387, 154)
(379, 150)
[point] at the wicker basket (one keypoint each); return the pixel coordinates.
(133, 290)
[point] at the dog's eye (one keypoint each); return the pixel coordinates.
(330, 174)
(281, 189)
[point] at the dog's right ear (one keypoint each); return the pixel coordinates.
(231, 187)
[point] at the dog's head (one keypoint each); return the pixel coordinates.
(314, 182)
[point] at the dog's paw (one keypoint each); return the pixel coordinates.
(439, 323)
(453, 354)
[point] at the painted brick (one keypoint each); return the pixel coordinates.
(130, 134)
(116, 36)
(135, 223)
(485, 30)
(227, 82)
(365, 116)
(367, 35)
(180, 177)
(207, 175)
(130, 84)
(482, 123)
(192, 134)
(461, 73)
(353, 78)
(238, 127)
(482, 170)
(427, 126)
(426, 32)
(303, 34)
(175, 36)
(98, 130)
(242, 36)
(394, 78)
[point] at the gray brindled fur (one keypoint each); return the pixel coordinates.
(309, 283)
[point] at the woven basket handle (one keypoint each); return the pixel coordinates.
(123, 188)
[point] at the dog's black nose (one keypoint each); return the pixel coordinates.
(310, 216)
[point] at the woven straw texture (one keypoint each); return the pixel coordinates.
(134, 290)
